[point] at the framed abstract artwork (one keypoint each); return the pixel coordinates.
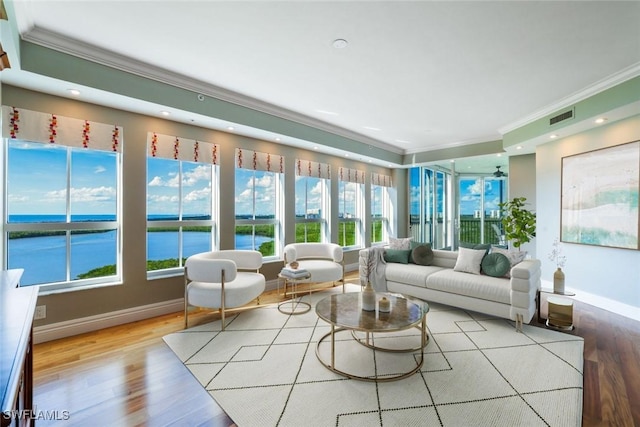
(600, 197)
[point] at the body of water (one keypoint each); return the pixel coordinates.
(44, 258)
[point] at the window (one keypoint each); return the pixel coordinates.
(62, 199)
(351, 201)
(430, 206)
(181, 201)
(258, 201)
(380, 208)
(312, 201)
(480, 217)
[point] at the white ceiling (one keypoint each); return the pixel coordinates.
(415, 76)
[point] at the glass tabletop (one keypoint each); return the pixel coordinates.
(345, 310)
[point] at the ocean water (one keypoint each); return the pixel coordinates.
(44, 261)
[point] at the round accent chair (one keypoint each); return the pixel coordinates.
(222, 279)
(323, 260)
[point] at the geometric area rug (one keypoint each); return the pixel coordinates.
(478, 371)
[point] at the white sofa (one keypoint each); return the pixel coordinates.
(510, 298)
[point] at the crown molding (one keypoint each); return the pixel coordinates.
(591, 90)
(83, 50)
(478, 140)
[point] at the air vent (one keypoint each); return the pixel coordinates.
(561, 117)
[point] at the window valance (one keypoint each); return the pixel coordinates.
(255, 160)
(351, 175)
(34, 126)
(179, 148)
(380, 179)
(313, 169)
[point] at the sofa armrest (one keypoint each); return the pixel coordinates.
(528, 271)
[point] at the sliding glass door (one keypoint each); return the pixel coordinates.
(430, 207)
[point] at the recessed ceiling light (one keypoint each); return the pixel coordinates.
(601, 120)
(340, 43)
(346, 155)
(452, 161)
(277, 139)
(74, 92)
(230, 128)
(499, 154)
(519, 147)
(370, 160)
(553, 136)
(165, 113)
(315, 148)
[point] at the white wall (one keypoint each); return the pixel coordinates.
(605, 277)
(522, 183)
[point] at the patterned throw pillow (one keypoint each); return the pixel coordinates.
(400, 243)
(515, 257)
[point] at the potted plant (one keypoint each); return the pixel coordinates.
(519, 223)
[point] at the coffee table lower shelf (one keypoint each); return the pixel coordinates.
(366, 342)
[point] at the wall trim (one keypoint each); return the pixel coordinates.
(82, 325)
(613, 306)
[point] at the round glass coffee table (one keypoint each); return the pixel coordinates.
(344, 313)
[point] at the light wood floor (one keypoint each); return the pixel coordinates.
(127, 376)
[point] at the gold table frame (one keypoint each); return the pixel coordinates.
(344, 313)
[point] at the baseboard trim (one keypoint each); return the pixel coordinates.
(613, 306)
(82, 325)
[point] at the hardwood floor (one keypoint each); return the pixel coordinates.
(127, 376)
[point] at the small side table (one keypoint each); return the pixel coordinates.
(559, 309)
(560, 313)
(295, 305)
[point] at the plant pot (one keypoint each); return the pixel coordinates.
(558, 281)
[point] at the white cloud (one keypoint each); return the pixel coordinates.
(99, 169)
(84, 194)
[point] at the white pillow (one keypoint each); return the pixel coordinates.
(469, 260)
(400, 243)
(515, 257)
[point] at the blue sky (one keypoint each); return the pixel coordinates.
(37, 180)
(163, 187)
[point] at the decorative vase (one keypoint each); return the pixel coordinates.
(558, 281)
(368, 298)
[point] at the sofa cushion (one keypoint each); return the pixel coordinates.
(497, 289)
(397, 255)
(410, 274)
(515, 257)
(484, 246)
(495, 265)
(422, 254)
(404, 243)
(469, 260)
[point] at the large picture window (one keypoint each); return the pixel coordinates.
(312, 201)
(350, 211)
(62, 199)
(380, 208)
(258, 201)
(181, 201)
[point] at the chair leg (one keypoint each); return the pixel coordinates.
(186, 299)
(222, 298)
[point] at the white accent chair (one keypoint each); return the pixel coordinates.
(323, 260)
(222, 279)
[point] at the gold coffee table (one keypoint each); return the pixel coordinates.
(344, 313)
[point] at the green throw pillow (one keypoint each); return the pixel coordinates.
(495, 265)
(475, 246)
(422, 254)
(397, 255)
